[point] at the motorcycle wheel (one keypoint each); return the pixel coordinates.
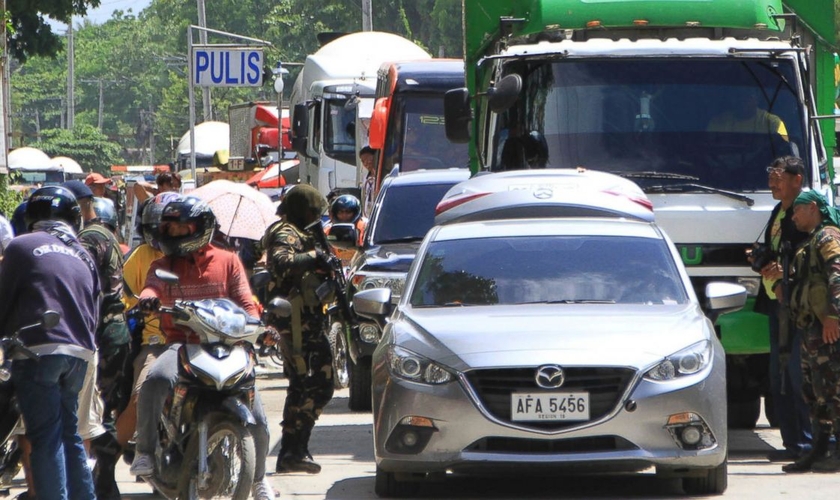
(231, 458)
(338, 345)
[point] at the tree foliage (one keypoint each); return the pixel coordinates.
(85, 144)
(31, 35)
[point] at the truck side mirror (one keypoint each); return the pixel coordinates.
(379, 122)
(300, 128)
(457, 115)
(501, 96)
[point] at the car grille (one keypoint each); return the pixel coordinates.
(596, 444)
(605, 387)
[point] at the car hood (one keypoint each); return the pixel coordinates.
(392, 257)
(567, 334)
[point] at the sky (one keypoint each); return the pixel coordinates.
(104, 11)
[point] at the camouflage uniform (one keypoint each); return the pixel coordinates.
(294, 267)
(113, 343)
(816, 294)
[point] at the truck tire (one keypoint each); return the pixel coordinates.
(360, 385)
(744, 413)
(713, 483)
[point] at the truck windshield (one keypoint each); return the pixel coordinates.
(424, 144)
(715, 122)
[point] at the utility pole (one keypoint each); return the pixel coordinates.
(367, 15)
(101, 82)
(202, 37)
(71, 67)
(151, 134)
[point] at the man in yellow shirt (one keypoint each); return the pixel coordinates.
(744, 116)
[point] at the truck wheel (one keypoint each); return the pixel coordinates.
(743, 413)
(360, 385)
(713, 483)
(387, 485)
(770, 411)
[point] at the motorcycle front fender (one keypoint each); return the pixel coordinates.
(238, 409)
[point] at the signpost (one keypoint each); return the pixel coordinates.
(221, 65)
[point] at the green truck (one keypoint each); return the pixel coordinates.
(691, 99)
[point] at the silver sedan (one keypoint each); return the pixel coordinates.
(546, 345)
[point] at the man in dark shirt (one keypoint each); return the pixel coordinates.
(48, 269)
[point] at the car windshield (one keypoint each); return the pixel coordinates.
(713, 122)
(406, 213)
(548, 269)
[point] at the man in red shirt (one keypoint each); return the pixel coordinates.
(205, 272)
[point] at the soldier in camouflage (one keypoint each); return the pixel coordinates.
(814, 303)
(112, 338)
(298, 268)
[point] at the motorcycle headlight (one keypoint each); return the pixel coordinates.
(394, 281)
(229, 322)
(407, 365)
(688, 361)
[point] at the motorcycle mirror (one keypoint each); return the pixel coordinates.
(260, 279)
(281, 308)
(50, 319)
(167, 277)
(343, 235)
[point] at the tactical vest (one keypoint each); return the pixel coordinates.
(810, 292)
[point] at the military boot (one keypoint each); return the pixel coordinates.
(818, 453)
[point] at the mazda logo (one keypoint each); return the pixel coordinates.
(543, 193)
(550, 377)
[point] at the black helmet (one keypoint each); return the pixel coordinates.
(18, 223)
(52, 203)
(188, 210)
(346, 202)
(150, 217)
(106, 214)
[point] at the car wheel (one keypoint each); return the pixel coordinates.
(713, 483)
(338, 344)
(387, 485)
(360, 385)
(743, 414)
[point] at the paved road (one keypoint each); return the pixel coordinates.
(342, 443)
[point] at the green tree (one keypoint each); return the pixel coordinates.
(31, 35)
(85, 144)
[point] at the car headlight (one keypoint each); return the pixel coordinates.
(688, 361)
(407, 365)
(394, 281)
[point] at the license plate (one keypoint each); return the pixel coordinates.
(548, 406)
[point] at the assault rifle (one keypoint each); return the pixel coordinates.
(336, 282)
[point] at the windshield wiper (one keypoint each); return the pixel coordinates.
(656, 175)
(699, 187)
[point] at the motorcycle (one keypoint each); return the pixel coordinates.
(204, 447)
(9, 413)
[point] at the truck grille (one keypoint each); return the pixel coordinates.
(605, 387)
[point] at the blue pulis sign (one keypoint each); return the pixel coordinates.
(227, 66)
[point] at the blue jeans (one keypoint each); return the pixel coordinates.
(786, 388)
(48, 395)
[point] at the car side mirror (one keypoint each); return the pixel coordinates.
(343, 235)
(723, 298)
(374, 304)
